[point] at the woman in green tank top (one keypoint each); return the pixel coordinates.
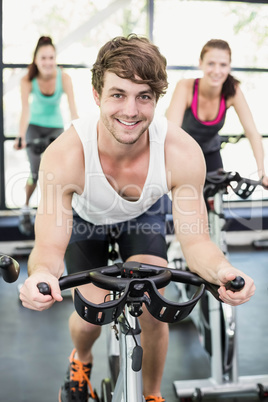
(41, 91)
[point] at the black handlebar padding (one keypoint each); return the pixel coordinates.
(103, 281)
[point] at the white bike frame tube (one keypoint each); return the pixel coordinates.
(216, 358)
(129, 386)
(216, 222)
(229, 313)
(213, 304)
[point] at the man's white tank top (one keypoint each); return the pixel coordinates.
(99, 203)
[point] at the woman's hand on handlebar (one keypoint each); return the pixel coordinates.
(19, 143)
(239, 297)
(31, 297)
(265, 182)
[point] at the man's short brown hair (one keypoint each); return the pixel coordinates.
(134, 58)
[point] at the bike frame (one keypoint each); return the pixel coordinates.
(125, 310)
(223, 362)
(128, 386)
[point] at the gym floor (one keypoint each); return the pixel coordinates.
(35, 346)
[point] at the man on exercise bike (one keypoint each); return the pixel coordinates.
(108, 174)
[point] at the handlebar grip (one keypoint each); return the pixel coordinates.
(263, 185)
(237, 284)
(19, 142)
(10, 268)
(44, 288)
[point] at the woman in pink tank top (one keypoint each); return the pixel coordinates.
(199, 106)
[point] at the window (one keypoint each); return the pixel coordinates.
(180, 29)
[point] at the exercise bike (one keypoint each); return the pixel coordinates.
(216, 322)
(132, 286)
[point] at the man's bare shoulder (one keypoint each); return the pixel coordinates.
(180, 142)
(64, 159)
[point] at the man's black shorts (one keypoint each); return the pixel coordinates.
(89, 244)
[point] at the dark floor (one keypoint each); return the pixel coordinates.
(34, 346)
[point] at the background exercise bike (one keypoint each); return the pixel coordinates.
(216, 322)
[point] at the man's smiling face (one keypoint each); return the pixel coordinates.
(126, 108)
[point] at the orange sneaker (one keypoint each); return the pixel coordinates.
(77, 386)
(151, 398)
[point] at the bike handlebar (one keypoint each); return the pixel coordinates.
(234, 139)
(9, 268)
(132, 280)
(220, 180)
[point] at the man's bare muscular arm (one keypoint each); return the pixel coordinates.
(61, 174)
(186, 173)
